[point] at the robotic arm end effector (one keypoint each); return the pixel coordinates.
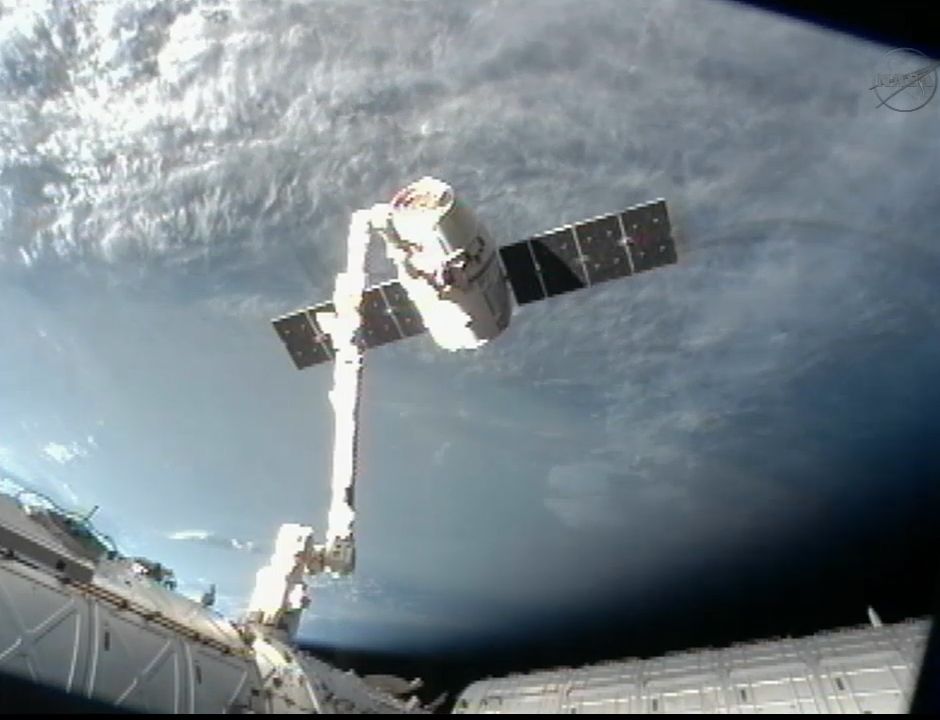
(339, 556)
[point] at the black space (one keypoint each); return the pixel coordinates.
(21, 697)
(907, 24)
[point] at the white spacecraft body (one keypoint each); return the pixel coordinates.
(848, 671)
(448, 264)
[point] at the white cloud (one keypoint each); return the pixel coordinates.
(189, 535)
(186, 49)
(207, 537)
(64, 454)
(247, 306)
(440, 453)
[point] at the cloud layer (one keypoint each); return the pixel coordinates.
(173, 174)
(211, 539)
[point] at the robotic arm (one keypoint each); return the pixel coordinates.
(280, 591)
(343, 326)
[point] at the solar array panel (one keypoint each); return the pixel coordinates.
(387, 315)
(305, 340)
(590, 252)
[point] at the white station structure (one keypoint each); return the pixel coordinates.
(76, 616)
(849, 671)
